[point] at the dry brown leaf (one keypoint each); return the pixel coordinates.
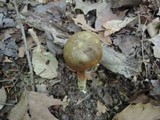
(156, 41)
(104, 16)
(39, 104)
(139, 112)
(115, 25)
(87, 6)
(125, 3)
(142, 98)
(153, 27)
(21, 52)
(103, 11)
(3, 97)
(119, 63)
(101, 108)
(156, 87)
(80, 21)
(44, 63)
(7, 60)
(105, 39)
(30, 42)
(18, 112)
(127, 44)
(42, 1)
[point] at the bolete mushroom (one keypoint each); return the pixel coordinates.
(82, 51)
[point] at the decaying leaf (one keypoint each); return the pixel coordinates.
(40, 21)
(125, 3)
(80, 21)
(156, 87)
(115, 25)
(156, 41)
(87, 6)
(100, 108)
(42, 88)
(42, 1)
(105, 15)
(21, 52)
(127, 44)
(44, 63)
(18, 112)
(139, 112)
(119, 63)
(6, 22)
(153, 27)
(37, 104)
(105, 39)
(102, 9)
(3, 97)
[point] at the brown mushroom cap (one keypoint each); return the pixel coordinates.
(82, 51)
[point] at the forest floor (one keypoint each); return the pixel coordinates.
(37, 84)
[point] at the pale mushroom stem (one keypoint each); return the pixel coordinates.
(82, 81)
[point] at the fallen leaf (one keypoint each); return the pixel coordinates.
(158, 14)
(42, 1)
(153, 27)
(127, 44)
(156, 87)
(156, 41)
(88, 6)
(102, 9)
(41, 88)
(6, 22)
(142, 98)
(37, 104)
(8, 46)
(3, 97)
(18, 111)
(100, 108)
(139, 112)
(119, 63)
(80, 21)
(21, 52)
(105, 15)
(7, 60)
(40, 21)
(115, 25)
(105, 39)
(125, 3)
(44, 63)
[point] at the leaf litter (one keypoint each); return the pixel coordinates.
(129, 33)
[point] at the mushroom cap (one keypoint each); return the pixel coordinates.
(82, 51)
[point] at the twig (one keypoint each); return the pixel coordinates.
(142, 45)
(1, 103)
(26, 46)
(81, 100)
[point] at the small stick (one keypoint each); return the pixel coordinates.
(32, 83)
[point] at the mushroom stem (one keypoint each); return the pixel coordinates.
(82, 81)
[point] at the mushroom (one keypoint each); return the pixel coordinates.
(82, 51)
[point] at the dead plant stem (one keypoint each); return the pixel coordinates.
(26, 46)
(142, 45)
